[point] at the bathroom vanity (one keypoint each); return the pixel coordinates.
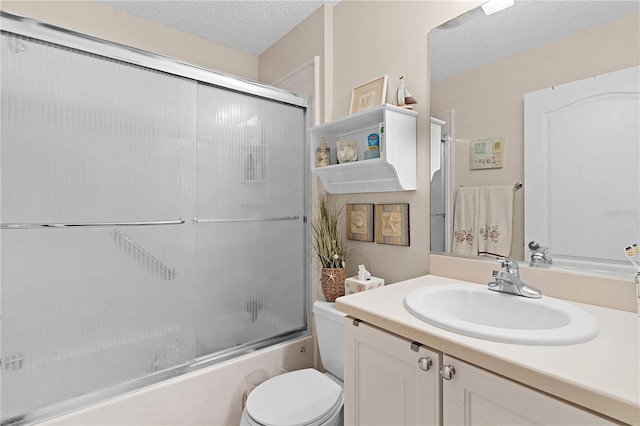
(402, 370)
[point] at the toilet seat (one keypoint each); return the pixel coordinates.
(299, 398)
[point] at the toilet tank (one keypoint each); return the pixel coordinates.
(330, 330)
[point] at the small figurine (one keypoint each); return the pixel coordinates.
(404, 99)
(323, 154)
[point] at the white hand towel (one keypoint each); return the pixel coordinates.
(483, 220)
(465, 222)
(495, 220)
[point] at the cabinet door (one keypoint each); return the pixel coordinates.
(386, 381)
(477, 397)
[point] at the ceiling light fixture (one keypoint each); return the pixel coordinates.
(493, 6)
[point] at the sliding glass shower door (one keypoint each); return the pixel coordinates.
(250, 245)
(148, 220)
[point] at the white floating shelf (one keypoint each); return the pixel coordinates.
(395, 170)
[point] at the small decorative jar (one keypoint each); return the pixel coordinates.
(323, 154)
(346, 151)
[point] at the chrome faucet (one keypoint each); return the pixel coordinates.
(507, 280)
(540, 256)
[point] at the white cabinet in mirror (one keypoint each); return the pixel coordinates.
(578, 185)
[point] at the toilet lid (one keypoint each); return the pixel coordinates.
(294, 399)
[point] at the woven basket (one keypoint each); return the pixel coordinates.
(333, 283)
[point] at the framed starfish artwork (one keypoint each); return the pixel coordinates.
(392, 224)
(360, 222)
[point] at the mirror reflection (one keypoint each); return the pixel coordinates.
(576, 207)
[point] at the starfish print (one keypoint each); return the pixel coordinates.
(391, 221)
(332, 276)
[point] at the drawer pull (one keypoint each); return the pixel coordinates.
(425, 363)
(447, 372)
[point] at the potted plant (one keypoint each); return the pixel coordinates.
(330, 248)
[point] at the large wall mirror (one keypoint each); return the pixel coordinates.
(482, 70)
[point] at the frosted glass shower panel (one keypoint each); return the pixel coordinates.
(250, 212)
(90, 140)
(85, 310)
(250, 152)
(152, 223)
(249, 283)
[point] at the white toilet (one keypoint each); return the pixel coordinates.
(305, 397)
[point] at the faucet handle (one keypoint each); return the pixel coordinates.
(509, 265)
(505, 261)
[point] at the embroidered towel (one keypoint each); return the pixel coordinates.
(465, 222)
(483, 220)
(495, 217)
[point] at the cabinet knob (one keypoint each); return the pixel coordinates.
(425, 363)
(447, 372)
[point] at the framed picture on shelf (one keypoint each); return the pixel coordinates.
(392, 224)
(369, 95)
(360, 222)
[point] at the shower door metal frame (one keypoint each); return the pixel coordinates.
(10, 23)
(65, 37)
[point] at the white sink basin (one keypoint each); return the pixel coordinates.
(476, 311)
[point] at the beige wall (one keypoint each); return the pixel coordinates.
(489, 100)
(94, 19)
(359, 41)
(372, 38)
(297, 47)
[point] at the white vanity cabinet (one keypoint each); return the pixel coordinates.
(395, 170)
(389, 380)
(477, 397)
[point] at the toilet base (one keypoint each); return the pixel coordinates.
(336, 420)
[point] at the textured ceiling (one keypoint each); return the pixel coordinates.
(474, 39)
(248, 25)
(464, 43)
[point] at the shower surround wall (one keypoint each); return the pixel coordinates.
(152, 218)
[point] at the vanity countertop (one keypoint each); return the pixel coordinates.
(602, 375)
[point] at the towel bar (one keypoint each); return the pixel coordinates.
(517, 186)
(264, 219)
(88, 224)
